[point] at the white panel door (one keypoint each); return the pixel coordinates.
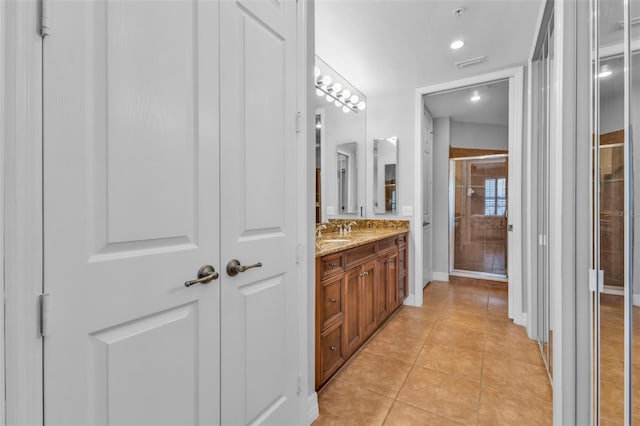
(131, 187)
(427, 199)
(258, 150)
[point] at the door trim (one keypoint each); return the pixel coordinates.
(21, 153)
(516, 94)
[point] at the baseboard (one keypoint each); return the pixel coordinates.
(313, 411)
(636, 300)
(410, 300)
(523, 320)
(441, 276)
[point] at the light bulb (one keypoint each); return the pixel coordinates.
(604, 72)
(354, 99)
(316, 72)
(346, 110)
(326, 80)
(329, 98)
(345, 94)
(319, 92)
(338, 103)
(475, 97)
(336, 87)
(362, 106)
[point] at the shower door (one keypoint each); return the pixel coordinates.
(479, 215)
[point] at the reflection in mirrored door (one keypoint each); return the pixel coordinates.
(613, 227)
(542, 69)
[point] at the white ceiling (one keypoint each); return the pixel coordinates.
(385, 45)
(492, 108)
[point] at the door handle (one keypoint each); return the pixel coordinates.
(205, 274)
(234, 267)
(425, 224)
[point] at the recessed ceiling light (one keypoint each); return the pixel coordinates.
(476, 97)
(457, 44)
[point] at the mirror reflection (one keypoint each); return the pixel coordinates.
(340, 138)
(385, 161)
(347, 154)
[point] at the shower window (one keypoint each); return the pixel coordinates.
(495, 196)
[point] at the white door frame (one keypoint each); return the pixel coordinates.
(21, 208)
(21, 146)
(515, 76)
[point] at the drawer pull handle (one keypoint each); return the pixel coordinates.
(333, 348)
(333, 265)
(333, 300)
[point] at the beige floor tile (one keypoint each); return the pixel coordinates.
(525, 350)
(345, 403)
(421, 313)
(442, 394)
(515, 376)
(402, 414)
(389, 342)
(504, 408)
(456, 361)
(470, 320)
(456, 337)
(376, 373)
(505, 328)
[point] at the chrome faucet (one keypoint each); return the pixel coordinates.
(319, 229)
(348, 227)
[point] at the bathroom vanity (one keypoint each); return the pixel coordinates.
(361, 279)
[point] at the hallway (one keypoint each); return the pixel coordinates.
(455, 360)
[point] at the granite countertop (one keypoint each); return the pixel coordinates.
(332, 242)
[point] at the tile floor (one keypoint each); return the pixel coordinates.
(455, 360)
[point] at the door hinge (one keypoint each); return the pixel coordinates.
(299, 253)
(596, 277)
(298, 120)
(299, 385)
(44, 18)
(45, 309)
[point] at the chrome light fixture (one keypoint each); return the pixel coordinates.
(341, 97)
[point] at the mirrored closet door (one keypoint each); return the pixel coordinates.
(615, 160)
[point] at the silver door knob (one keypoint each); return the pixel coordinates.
(205, 274)
(234, 267)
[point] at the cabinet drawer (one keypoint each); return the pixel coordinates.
(332, 265)
(386, 245)
(330, 302)
(359, 254)
(332, 358)
(402, 240)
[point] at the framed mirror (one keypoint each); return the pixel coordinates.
(340, 139)
(385, 175)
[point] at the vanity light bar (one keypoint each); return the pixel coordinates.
(342, 98)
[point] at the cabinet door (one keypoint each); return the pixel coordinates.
(391, 276)
(368, 297)
(381, 294)
(353, 306)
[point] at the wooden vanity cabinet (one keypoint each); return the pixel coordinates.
(356, 291)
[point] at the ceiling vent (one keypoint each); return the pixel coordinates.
(469, 62)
